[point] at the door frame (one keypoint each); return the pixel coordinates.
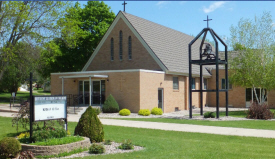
(162, 95)
(83, 89)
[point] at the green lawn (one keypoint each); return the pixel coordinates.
(252, 124)
(172, 144)
(5, 97)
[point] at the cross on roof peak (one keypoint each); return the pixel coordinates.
(124, 5)
(207, 21)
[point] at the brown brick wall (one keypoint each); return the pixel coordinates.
(150, 82)
(236, 96)
(125, 93)
(141, 59)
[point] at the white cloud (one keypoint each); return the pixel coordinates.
(182, 2)
(213, 7)
(160, 4)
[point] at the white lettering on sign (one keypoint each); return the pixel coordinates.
(49, 108)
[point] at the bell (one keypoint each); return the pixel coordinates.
(208, 52)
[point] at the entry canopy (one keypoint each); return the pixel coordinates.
(83, 76)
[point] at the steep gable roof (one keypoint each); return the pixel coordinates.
(167, 46)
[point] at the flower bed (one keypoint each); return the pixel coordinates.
(56, 149)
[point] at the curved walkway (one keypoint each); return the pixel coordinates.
(177, 127)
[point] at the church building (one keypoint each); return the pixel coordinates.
(143, 65)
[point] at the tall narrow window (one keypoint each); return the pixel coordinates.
(175, 83)
(223, 84)
(120, 45)
(130, 48)
(112, 49)
(205, 83)
(193, 83)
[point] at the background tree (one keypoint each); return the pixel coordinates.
(33, 21)
(83, 29)
(25, 57)
(252, 62)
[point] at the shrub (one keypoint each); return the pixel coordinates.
(110, 105)
(144, 112)
(97, 110)
(48, 133)
(108, 142)
(90, 126)
(97, 148)
(124, 112)
(126, 145)
(10, 147)
(156, 111)
(23, 135)
(209, 115)
(259, 111)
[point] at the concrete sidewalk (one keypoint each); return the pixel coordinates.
(177, 127)
(185, 127)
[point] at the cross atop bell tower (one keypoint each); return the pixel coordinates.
(207, 21)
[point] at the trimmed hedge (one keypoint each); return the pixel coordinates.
(156, 111)
(9, 146)
(110, 105)
(124, 112)
(90, 126)
(144, 112)
(209, 115)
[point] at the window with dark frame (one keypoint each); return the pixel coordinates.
(112, 49)
(130, 48)
(175, 83)
(205, 83)
(120, 45)
(223, 84)
(193, 83)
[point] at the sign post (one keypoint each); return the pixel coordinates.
(31, 106)
(44, 108)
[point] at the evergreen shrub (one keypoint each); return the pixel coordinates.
(144, 112)
(10, 147)
(259, 111)
(156, 111)
(97, 148)
(108, 142)
(209, 115)
(110, 105)
(97, 110)
(124, 112)
(90, 126)
(126, 145)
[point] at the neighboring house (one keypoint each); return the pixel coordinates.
(142, 64)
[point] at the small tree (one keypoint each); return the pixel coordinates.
(90, 126)
(252, 63)
(110, 105)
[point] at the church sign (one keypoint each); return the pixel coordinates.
(49, 108)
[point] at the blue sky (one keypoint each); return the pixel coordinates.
(188, 16)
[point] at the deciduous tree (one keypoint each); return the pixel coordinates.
(82, 31)
(33, 21)
(252, 63)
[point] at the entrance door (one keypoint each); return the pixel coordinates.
(83, 93)
(98, 92)
(160, 98)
